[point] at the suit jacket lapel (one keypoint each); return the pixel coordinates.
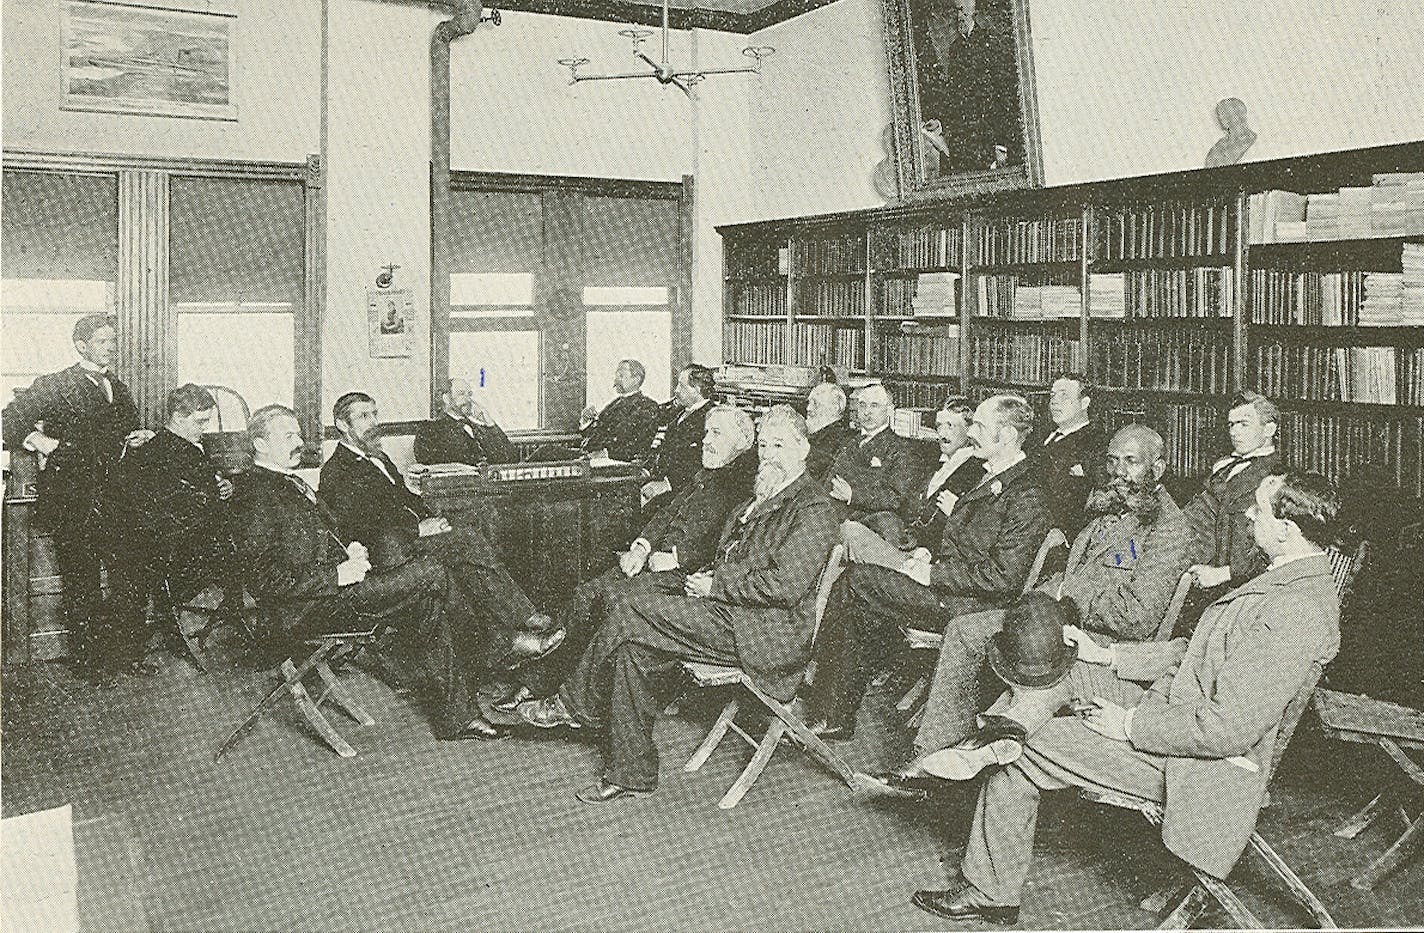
(986, 486)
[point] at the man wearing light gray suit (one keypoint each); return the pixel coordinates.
(1199, 740)
(1120, 575)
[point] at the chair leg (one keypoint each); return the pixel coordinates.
(313, 714)
(1362, 819)
(1221, 892)
(808, 739)
(1187, 911)
(912, 696)
(1303, 895)
(714, 737)
(775, 728)
(1157, 901)
(341, 695)
(1393, 857)
(191, 640)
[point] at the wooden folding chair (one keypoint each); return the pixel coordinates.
(1393, 729)
(1194, 899)
(783, 721)
(922, 640)
(329, 653)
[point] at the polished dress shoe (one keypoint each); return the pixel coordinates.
(831, 732)
(530, 646)
(605, 791)
(481, 729)
(548, 713)
(539, 622)
(890, 784)
(998, 742)
(965, 903)
(510, 700)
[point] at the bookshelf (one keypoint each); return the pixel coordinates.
(1301, 277)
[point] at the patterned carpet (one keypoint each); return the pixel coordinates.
(415, 834)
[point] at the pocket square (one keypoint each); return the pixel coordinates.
(875, 462)
(1076, 470)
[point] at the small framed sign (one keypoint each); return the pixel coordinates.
(390, 321)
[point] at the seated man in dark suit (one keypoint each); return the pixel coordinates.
(294, 559)
(164, 510)
(1071, 453)
(1199, 741)
(370, 502)
(990, 539)
(826, 422)
(959, 470)
(463, 433)
(624, 429)
(1121, 571)
(676, 454)
(1223, 552)
(875, 472)
(753, 607)
(680, 539)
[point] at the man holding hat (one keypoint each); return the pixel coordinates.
(1200, 743)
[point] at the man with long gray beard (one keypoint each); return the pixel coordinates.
(753, 607)
(1121, 571)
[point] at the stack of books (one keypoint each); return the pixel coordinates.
(935, 294)
(1267, 211)
(1107, 298)
(1393, 205)
(1382, 304)
(1412, 288)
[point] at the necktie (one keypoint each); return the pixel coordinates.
(101, 381)
(1233, 464)
(381, 465)
(469, 431)
(1055, 436)
(307, 492)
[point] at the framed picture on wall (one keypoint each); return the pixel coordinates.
(141, 58)
(390, 317)
(962, 88)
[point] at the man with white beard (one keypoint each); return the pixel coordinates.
(753, 607)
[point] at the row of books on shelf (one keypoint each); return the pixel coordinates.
(1166, 230)
(830, 298)
(1194, 434)
(1392, 205)
(835, 255)
(1042, 239)
(824, 345)
(1022, 298)
(1022, 357)
(1171, 360)
(928, 294)
(1385, 375)
(933, 352)
(757, 259)
(1352, 299)
(920, 248)
(1338, 444)
(909, 394)
(761, 300)
(750, 342)
(1200, 292)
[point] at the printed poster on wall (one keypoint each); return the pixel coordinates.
(390, 318)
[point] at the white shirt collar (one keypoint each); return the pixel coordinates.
(273, 468)
(93, 367)
(1258, 452)
(197, 444)
(1005, 468)
(1282, 561)
(1064, 432)
(867, 438)
(688, 411)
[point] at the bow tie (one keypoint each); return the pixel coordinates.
(302, 487)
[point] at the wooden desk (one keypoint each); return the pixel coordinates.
(551, 534)
(33, 609)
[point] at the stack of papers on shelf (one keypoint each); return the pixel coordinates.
(1411, 310)
(1322, 216)
(1106, 297)
(1354, 218)
(1269, 209)
(1061, 301)
(934, 294)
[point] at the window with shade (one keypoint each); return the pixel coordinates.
(60, 262)
(236, 267)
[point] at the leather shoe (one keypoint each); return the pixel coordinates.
(548, 713)
(998, 742)
(831, 732)
(530, 646)
(481, 729)
(509, 701)
(966, 903)
(539, 622)
(891, 784)
(605, 791)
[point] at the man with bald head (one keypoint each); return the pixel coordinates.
(1121, 571)
(463, 432)
(874, 471)
(826, 427)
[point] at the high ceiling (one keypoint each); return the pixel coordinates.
(742, 16)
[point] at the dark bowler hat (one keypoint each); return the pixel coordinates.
(1030, 652)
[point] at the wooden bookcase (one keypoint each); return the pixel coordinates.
(1158, 287)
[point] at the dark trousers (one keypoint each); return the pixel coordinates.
(78, 557)
(614, 685)
(863, 625)
(431, 631)
(492, 594)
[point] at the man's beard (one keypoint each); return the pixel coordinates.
(370, 442)
(769, 477)
(1126, 496)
